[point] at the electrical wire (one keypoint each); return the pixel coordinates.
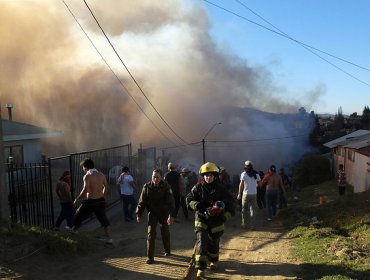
(301, 43)
(132, 77)
(197, 144)
(254, 140)
(290, 38)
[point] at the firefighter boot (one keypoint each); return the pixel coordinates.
(213, 265)
(200, 274)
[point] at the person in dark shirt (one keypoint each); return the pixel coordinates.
(173, 179)
(156, 197)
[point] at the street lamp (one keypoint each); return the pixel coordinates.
(204, 141)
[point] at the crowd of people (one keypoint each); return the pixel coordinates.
(209, 197)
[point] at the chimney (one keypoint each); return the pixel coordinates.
(10, 107)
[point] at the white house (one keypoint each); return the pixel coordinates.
(353, 151)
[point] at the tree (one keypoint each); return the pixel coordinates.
(316, 130)
(302, 111)
(365, 119)
(338, 123)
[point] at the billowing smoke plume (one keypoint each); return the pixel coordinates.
(55, 78)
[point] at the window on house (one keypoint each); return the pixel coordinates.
(14, 154)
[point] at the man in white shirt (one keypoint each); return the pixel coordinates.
(248, 194)
(126, 185)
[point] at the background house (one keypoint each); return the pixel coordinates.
(22, 142)
(353, 151)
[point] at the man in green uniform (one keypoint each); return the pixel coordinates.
(157, 198)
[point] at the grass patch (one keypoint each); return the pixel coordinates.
(332, 239)
(19, 241)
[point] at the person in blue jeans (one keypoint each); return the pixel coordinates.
(126, 185)
(273, 182)
(63, 191)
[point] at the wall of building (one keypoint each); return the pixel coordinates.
(360, 173)
(31, 149)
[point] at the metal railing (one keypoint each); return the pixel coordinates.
(29, 194)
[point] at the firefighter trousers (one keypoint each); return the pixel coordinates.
(207, 248)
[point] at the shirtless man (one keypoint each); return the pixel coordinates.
(94, 188)
(273, 183)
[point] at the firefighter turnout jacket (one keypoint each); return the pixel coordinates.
(202, 197)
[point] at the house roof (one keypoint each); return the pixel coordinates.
(360, 134)
(14, 131)
(358, 144)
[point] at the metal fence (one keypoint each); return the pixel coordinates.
(29, 194)
(108, 161)
(31, 188)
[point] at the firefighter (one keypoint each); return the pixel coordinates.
(213, 205)
(157, 198)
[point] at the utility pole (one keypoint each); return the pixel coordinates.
(204, 141)
(4, 207)
(204, 150)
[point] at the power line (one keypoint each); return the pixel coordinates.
(196, 144)
(132, 77)
(309, 48)
(292, 39)
(110, 68)
(301, 43)
(260, 139)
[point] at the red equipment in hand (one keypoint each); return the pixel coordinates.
(217, 209)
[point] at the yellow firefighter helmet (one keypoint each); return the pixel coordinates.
(208, 167)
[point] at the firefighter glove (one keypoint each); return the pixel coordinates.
(200, 207)
(205, 215)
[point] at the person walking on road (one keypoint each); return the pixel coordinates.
(63, 191)
(173, 179)
(282, 193)
(95, 187)
(213, 205)
(261, 192)
(184, 190)
(157, 198)
(126, 185)
(249, 180)
(224, 177)
(273, 183)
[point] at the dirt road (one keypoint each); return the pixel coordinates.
(260, 254)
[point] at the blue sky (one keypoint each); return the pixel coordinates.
(340, 28)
